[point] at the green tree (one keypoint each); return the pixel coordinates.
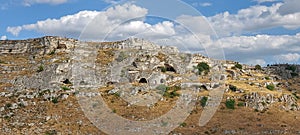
(258, 67)
(239, 66)
(230, 103)
(203, 67)
(203, 101)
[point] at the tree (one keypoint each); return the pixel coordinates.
(202, 67)
(258, 67)
(239, 66)
(230, 103)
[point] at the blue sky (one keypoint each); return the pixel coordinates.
(245, 27)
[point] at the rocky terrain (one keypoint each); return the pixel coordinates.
(43, 82)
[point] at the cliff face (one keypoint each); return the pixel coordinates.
(43, 75)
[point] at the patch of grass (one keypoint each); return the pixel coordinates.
(171, 94)
(267, 78)
(65, 88)
(51, 132)
(55, 100)
(203, 101)
(52, 52)
(182, 124)
(117, 94)
(230, 104)
(162, 87)
(114, 111)
(241, 104)
(40, 69)
(163, 69)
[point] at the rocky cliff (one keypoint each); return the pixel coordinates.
(41, 78)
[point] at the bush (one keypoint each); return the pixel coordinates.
(291, 67)
(162, 87)
(171, 94)
(40, 68)
(270, 87)
(239, 66)
(183, 124)
(267, 78)
(233, 88)
(202, 67)
(203, 101)
(55, 100)
(230, 103)
(293, 74)
(163, 69)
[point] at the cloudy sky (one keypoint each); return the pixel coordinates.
(248, 31)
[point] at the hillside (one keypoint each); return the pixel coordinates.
(51, 85)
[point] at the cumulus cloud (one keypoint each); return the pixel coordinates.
(14, 30)
(52, 2)
(289, 7)
(249, 48)
(287, 58)
(3, 38)
(189, 33)
(73, 25)
(252, 19)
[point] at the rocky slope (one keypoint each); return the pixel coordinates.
(42, 80)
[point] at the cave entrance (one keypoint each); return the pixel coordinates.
(143, 80)
(170, 68)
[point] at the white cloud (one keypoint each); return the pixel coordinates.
(14, 30)
(288, 58)
(52, 2)
(112, 1)
(206, 4)
(252, 19)
(264, 1)
(73, 25)
(3, 38)
(253, 62)
(289, 7)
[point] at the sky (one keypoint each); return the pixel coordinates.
(248, 31)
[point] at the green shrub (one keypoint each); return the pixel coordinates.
(233, 88)
(293, 74)
(183, 124)
(270, 87)
(163, 69)
(291, 67)
(114, 111)
(40, 68)
(65, 88)
(203, 101)
(202, 67)
(55, 100)
(162, 87)
(171, 94)
(230, 103)
(239, 66)
(241, 104)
